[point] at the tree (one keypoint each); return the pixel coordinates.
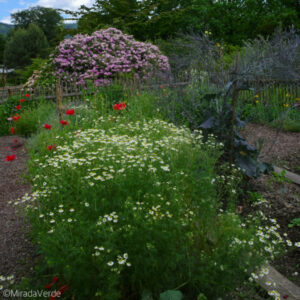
(2, 46)
(47, 19)
(232, 21)
(24, 45)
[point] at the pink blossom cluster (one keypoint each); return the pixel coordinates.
(104, 55)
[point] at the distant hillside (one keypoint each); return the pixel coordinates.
(71, 26)
(4, 28)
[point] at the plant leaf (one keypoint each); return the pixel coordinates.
(170, 295)
(147, 295)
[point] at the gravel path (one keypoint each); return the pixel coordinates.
(16, 251)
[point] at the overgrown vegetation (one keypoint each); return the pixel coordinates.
(116, 204)
(117, 211)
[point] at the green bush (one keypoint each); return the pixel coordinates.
(118, 209)
(33, 116)
(7, 109)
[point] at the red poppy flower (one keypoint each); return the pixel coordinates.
(27, 95)
(18, 107)
(55, 279)
(16, 117)
(63, 122)
(22, 100)
(52, 147)
(63, 288)
(12, 130)
(48, 286)
(10, 157)
(47, 126)
(120, 106)
(285, 296)
(15, 141)
(70, 112)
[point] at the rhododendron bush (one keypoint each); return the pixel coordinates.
(104, 55)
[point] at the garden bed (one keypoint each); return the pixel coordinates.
(280, 148)
(283, 198)
(282, 204)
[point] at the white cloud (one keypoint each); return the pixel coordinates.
(6, 20)
(65, 4)
(72, 5)
(14, 10)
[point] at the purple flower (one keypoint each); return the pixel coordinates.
(104, 54)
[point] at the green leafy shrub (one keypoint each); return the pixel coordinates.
(8, 109)
(33, 116)
(118, 210)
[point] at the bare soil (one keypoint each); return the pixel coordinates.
(16, 251)
(281, 149)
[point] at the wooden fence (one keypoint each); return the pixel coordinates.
(73, 92)
(270, 91)
(264, 89)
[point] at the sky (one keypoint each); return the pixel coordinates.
(8, 7)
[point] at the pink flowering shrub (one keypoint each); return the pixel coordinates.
(105, 54)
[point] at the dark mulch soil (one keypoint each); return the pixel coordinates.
(16, 251)
(279, 147)
(283, 198)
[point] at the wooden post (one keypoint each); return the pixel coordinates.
(234, 98)
(59, 98)
(95, 95)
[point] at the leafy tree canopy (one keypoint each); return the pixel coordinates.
(24, 45)
(2, 46)
(232, 21)
(48, 19)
